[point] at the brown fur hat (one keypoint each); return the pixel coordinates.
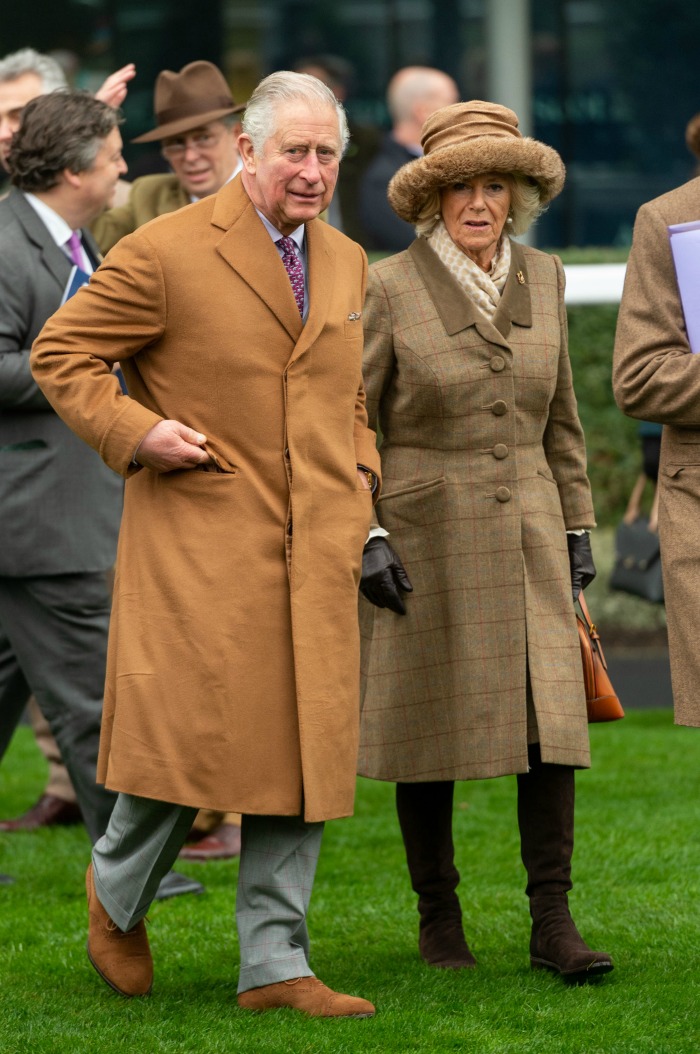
(465, 140)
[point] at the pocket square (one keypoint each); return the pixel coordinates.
(353, 316)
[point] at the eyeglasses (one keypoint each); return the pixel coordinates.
(177, 147)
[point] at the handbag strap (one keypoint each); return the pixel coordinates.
(592, 631)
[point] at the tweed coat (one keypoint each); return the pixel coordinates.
(233, 668)
(484, 469)
(150, 196)
(656, 378)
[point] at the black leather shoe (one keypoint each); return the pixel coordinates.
(174, 885)
(49, 811)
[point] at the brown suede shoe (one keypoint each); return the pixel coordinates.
(223, 843)
(49, 811)
(307, 994)
(121, 959)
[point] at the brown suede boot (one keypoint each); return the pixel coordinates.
(121, 959)
(425, 818)
(546, 821)
(308, 995)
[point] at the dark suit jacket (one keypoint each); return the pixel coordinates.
(384, 230)
(60, 505)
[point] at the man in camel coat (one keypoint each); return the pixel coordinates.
(233, 667)
(656, 378)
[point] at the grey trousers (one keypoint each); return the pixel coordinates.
(276, 875)
(53, 643)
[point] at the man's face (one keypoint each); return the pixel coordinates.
(14, 96)
(203, 159)
(98, 183)
(294, 177)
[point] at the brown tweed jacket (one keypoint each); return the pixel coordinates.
(484, 469)
(656, 378)
(150, 196)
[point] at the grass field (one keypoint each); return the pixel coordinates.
(637, 895)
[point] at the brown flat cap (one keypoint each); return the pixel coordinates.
(185, 100)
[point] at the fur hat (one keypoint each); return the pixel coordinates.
(186, 100)
(465, 140)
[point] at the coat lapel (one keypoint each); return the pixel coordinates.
(53, 258)
(248, 249)
(321, 262)
(515, 304)
(458, 311)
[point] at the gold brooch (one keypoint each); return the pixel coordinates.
(521, 277)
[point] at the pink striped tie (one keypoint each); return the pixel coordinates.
(294, 269)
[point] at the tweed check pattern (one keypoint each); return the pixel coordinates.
(483, 464)
(295, 270)
(655, 378)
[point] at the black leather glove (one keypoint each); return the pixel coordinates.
(383, 576)
(580, 562)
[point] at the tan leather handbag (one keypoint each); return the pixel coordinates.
(601, 700)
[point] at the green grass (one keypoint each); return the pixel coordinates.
(637, 872)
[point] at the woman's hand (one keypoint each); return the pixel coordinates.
(580, 562)
(383, 576)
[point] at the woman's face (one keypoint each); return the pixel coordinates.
(475, 212)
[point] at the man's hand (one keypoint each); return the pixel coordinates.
(113, 90)
(383, 576)
(171, 445)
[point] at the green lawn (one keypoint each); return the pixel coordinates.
(637, 868)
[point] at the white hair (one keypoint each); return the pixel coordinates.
(259, 119)
(27, 60)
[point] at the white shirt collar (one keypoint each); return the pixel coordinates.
(57, 226)
(297, 236)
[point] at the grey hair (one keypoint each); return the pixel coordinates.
(27, 60)
(525, 206)
(286, 86)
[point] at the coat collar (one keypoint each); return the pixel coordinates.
(458, 311)
(54, 259)
(247, 247)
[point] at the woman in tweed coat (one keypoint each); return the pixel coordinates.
(472, 668)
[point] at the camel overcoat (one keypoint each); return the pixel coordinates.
(484, 470)
(657, 378)
(233, 667)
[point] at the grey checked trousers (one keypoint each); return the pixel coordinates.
(276, 875)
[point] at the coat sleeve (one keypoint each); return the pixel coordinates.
(655, 377)
(563, 441)
(116, 316)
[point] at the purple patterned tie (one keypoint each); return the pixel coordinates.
(75, 248)
(294, 269)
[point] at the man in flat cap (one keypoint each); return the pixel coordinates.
(197, 124)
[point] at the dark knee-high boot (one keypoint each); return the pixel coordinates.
(425, 818)
(546, 821)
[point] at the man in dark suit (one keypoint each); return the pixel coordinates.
(24, 75)
(60, 506)
(414, 93)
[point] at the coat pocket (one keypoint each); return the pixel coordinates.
(412, 488)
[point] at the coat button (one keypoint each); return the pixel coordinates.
(497, 364)
(503, 494)
(500, 451)
(499, 408)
